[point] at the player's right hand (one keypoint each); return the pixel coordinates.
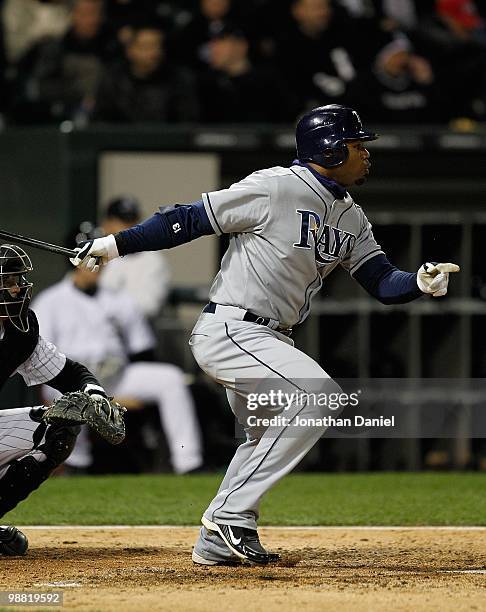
(93, 254)
(433, 278)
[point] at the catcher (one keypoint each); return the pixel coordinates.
(34, 441)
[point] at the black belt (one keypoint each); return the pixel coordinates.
(252, 318)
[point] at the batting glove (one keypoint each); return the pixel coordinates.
(434, 278)
(93, 254)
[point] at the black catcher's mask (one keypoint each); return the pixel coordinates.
(15, 290)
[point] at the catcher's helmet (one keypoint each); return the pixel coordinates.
(15, 290)
(322, 133)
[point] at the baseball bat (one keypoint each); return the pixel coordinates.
(38, 244)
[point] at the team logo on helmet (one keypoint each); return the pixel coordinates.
(15, 290)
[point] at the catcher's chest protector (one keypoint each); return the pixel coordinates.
(16, 347)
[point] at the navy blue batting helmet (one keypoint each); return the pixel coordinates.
(322, 133)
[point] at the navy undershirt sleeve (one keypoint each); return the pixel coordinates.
(169, 227)
(387, 283)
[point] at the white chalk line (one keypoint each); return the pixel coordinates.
(61, 584)
(468, 571)
(273, 527)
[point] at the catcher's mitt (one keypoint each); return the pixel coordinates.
(102, 414)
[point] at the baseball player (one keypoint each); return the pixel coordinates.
(289, 228)
(30, 449)
(117, 344)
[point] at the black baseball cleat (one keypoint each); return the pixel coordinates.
(243, 542)
(12, 541)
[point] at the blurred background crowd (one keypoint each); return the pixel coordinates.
(233, 61)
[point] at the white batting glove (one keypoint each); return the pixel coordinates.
(434, 278)
(93, 254)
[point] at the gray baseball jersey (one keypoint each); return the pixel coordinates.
(288, 232)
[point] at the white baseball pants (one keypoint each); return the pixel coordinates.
(16, 433)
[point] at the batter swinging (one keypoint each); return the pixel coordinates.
(289, 228)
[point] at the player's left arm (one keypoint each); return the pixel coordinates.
(99, 411)
(47, 365)
(75, 376)
(390, 285)
(386, 283)
(368, 264)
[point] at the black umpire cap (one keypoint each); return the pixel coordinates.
(126, 208)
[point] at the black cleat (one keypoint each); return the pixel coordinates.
(12, 541)
(243, 542)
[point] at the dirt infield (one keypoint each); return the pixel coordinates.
(345, 569)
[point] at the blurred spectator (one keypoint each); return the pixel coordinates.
(444, 26)
(134, 48)
(107, 328)
(453, 41)
(190, 42)
(144, 86)
(27, 22)
(400, 88)
(462, 19)
(124, 15)
(358, 8)
(234, 90)
(317, 52)
(121, 13)
(403, 15)
(260, 20)
(58, 78)
(143, 276)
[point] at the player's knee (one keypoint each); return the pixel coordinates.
(59, 443)
(173, 376)
(25, 475)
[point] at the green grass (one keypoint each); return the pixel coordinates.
(453, 498)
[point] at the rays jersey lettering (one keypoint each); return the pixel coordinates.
(330, 243)
(288, 233)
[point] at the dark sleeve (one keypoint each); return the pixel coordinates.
(73, 377)
(387, 283)
(148, 355)
(167, 228)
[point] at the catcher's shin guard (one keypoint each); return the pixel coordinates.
(59, 443)
(27, 474)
